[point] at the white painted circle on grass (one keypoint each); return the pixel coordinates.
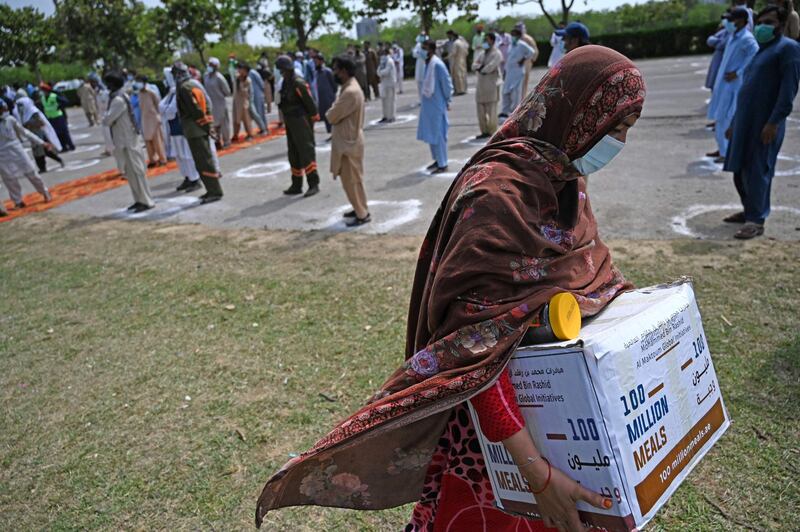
(78, 165)
(262, 170)
(398, 119)
(680, 223)
(386, 215)
(87, 148)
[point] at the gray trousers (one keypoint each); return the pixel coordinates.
(130, 162)
(15, 190)
(511, 100)
(388, 103)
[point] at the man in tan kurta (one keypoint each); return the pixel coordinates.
(88, 98)
(530, 62)
(457, 61)
(347, 140)
(218, 90)
(487, 67)
(151, 123)
(241, 103)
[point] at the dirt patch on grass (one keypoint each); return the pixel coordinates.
(155, 375)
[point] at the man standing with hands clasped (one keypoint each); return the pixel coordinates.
(764, 101)
(487, 67)
(347, 142)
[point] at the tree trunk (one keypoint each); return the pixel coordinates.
(202, 55)
(299, 26)
(37, 71)
(426, 18)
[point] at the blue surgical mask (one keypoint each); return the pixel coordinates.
(764, 33)
(209, 69)
(599, 156)
(729, 26)
(485, 46)
(423, 54)
(514, 40)
(138, 85)
(420, 39)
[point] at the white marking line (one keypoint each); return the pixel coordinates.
(400, 212)
(695, 65)
(78, 165)
(90, 147)
(398, 119)
(451, 163)
(680, 223)
(177, 204)
(475, 142)
(702, 72)
(793, 171)
(262, 170)
(81, 136)
(323, 148)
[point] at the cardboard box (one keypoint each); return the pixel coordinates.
(627, 410)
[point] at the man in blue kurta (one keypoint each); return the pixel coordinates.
(756, 135)
(437, 90)
(739, 50)
(519, 52)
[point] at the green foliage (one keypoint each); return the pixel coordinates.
(298, 19)
(27, 37)
(425, 10)
(50, 72)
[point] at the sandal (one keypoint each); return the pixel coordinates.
(750, 230)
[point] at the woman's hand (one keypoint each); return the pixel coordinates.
(557, 502)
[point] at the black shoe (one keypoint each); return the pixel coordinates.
(183, 186)
(312, 191)
(439, 170)
(737, 218)
(3, 212)
(328, 139)
(349, 214)
(356, 221)
(383, 120)
(209, 199)
(292, 191)
(390, 120)
(141, 207)
(502, 115)
(193, 185)
(20, 205)
(431, 166)
(134, 206)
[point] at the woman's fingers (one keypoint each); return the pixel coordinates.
(595, 499)
(549, 523)
(575, 524)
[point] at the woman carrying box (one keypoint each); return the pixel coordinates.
(515, 228)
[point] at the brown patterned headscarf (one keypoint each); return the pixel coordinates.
(515, 228)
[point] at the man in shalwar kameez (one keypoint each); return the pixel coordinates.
(765, 100)
(218, 89)
(127, 148)
(299, 114)
(487, 69)
(457, 60)
(257, 100)
(388, 77)
(347, 142)
(180, 148)
(437, 91)
(196, 114)
(739, 50)
(326, 88)
(518, 55)
(151, 123)
(14, 162)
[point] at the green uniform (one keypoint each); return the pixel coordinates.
(299, 113)
(194, 110)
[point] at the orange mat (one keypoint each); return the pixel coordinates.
(95, 184)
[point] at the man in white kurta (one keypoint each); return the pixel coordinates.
(127, 147)
(419, 68)
(218, 89)
(487, 67)
(14, 161)
(388, 81)
(519, 53)
(397, 57)
(457, 61)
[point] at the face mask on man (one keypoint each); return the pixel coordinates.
(514, 39)
(599, 156)
(764, 33)
(485, 46)
(209, 69)
(729, 26)
(138, 85)
(424, 54)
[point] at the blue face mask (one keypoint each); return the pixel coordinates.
(423, 54)
(729, 26)
(764, 33)
(485, 46)
(599, 156)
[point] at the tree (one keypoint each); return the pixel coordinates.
(426, 9)
(193, 20)
(566, 7)
(27, 37)
(100, 29)
(303, 17)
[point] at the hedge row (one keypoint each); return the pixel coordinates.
(679, 40)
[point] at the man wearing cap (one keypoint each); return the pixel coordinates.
(575, 36)
(739, 51)
(527, 39)
(477, 39)
(299, 114)
(515, 72)
(347, 140)
(127, 147)
(195, 112)
(457, 61)
(218, 90)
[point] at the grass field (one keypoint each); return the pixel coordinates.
(154, 376)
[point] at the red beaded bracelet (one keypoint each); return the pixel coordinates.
(546, 482)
